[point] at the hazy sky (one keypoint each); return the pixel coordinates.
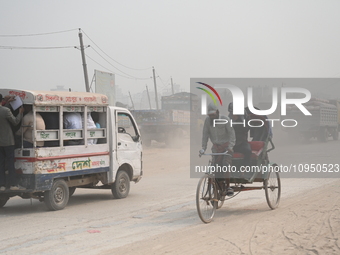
(182, 39)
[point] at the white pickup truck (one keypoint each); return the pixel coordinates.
(107, 156)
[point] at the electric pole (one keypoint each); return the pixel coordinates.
(172, 87)
(147, 91)
(154, 81)
(133, 105)
(84, 61)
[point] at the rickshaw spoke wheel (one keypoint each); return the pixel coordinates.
(272, 186)
(220, 201)
(206, 199)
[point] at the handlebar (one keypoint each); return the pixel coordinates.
(271, 143)
(215, 154)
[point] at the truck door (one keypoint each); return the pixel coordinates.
(129, 147)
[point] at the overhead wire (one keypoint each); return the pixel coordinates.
(49, 33)
(140, 69)
(164, 85)
(111, 70)
(126, 75)
(34, 48)
(137, 78)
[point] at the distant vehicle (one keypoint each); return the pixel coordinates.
(170, 124)
(69, 158)
(323, 123)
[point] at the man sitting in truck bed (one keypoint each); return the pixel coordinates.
(26, 129)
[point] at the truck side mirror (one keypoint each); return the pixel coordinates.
(136, 138)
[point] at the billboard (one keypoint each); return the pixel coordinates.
(105, 84)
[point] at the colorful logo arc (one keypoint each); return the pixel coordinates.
(209, 93)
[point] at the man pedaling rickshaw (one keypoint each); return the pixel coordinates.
(222, 137)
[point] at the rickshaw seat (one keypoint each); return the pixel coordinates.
(256, 148)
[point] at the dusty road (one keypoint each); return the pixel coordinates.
(159, 216)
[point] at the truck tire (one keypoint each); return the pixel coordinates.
(57, 198)
(121, 187)
(323, 135)
(3, 200)
(335, 134)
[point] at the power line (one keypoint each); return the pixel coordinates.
(49, 33)
(63, 47)
(118, 68)
(140, 69)
(164, 85)
(34, 48)
(134, 78)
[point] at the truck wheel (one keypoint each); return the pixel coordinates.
(121, 187)
(57, 198)
(3, 201)
(323, 135)
(335, 134)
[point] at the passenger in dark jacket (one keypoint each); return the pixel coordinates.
(7, 147)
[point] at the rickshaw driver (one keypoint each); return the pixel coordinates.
(222, 137)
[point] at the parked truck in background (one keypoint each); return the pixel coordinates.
(322, 124)
(171, 123)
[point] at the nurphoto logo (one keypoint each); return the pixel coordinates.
(239, 103)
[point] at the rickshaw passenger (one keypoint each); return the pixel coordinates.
(26, 128)
(241, 133)
(260, 133)
(222, 137)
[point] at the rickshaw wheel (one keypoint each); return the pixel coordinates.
(205, 196)
(272, 187)
(220, 202)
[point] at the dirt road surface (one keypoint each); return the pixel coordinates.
(159, 216)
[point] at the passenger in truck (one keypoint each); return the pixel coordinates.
(73, 120)
(26, 129)
(51, 122)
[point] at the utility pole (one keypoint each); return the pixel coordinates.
(147, 91)
(172, 87)
(133, 106)
(84, 61)
(154, 82)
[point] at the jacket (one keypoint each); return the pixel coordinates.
(6, 133)
(220, 134)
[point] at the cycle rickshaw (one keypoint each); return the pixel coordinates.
(210, 196)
